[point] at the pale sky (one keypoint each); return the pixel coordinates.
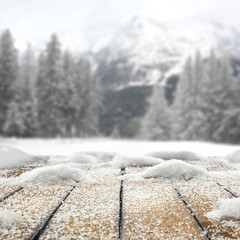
(31, 20)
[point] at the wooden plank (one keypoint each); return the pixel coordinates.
(16, 172)
(90, 212)
(231, 181)
(33, 204)
(38, 161)
(6, 190)
(203, 197)
(213, 164)
(229, 178)
(153, 210)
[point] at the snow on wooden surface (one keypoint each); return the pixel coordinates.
(153, 210)
(6, 190)
(214, 164)
(225, 174)
(90, 212)
(33, 204)
(16, 172)
(231, 182)
(203, 198)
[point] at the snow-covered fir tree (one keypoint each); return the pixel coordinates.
(199, 125)
(230, 123)
(83, 97)
(68, 106)
(208, 94)
(49, 96)
(223, 101)
(190, 103)
(8, 74)
(156, 125)
(21, 115)
(14, 124)
(27, 86)
(182, 106)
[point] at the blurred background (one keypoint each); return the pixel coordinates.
(137, 69)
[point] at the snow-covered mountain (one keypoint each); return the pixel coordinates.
(145, 51)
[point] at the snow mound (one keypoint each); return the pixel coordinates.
(102, 156)
(80, 158)
(227, 208)
(47, 176)
(234, 157)
(180, 155)
(120, 161)
(11, 157)
(9, 219)
(175, 169)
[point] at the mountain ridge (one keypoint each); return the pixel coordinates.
(144, 47)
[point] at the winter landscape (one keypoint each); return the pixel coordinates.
(119, 119)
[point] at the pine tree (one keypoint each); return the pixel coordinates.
(189, 105)
(97, 99)
(68, 108)
(199, 124)
(182, 105)
(226, 112)
(21, 114)
(14, 126)
(41, 94)
(231, 122)
(84, 120)
(49, 95)
(156, 124)
(27, 88)
(222, 100)
(8, 74)
(209, 94)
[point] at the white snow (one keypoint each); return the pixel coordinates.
(11, 157)
(181, 155)
(221, 175)
(234, 157)
(121, 161)
(227, 208)
(67, 147)
(46, 176)
(79, 157)
(8, 219)
(102, 156)
(175, 169)
(237, 166)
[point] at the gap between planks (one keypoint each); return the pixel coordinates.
(227, 190)
(121, 216)
(42, 227)
(192, 213)
(10, 194)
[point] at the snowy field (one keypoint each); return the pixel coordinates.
(126, 147)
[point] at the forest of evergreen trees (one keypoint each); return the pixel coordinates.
(53, 95)
(46, 97)
(206, 104)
